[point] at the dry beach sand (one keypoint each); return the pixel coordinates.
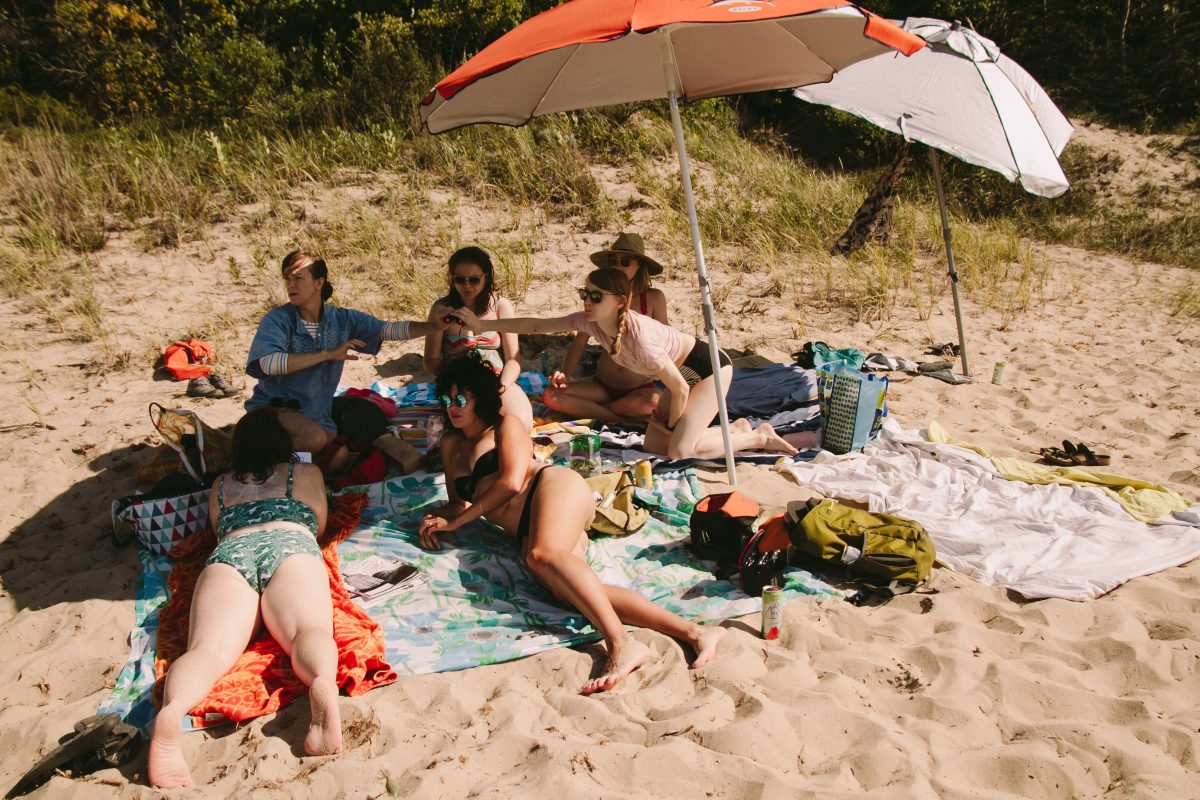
(972, 692)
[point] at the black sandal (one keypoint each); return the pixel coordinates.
(99, 741)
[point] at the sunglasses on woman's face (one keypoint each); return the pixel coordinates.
(468, 280)
(620, 261)
(593, 296)
(458, 401)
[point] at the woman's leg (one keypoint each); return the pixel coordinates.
(582, 400)
(298, 612)
(307, 436)
(693, 438)
(224, 617)
(555, 552)
(638, 404)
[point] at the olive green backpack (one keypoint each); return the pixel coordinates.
(878, 549)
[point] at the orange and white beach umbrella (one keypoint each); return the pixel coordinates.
(593, 53)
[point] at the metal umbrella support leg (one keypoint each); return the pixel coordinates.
(710, 323)
(962, 340)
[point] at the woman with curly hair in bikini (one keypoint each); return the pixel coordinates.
(491, 472)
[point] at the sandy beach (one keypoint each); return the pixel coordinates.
(972, 692)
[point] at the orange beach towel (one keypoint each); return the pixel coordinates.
(262, 680)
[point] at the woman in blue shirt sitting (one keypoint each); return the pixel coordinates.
(297, 356)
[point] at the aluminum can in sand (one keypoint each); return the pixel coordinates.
(772, 611)
(998, 373)
(643, 475)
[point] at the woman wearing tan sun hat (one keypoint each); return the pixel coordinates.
(615, 393)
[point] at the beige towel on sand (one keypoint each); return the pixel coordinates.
(1145, 501)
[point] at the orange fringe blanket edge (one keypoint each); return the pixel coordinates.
(262, 680)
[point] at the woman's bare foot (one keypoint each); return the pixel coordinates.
(325, 731)
(167, 768)
(631, 655)
(740, 425)
(771, 441)
(704, 642)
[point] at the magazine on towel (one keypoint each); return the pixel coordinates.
(373, 580)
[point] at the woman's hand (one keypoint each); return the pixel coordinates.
(442, 315)
(448, 511)
(342, 351)
(559, 380)
(469, 320)
(432, 529)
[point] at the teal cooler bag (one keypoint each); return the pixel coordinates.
(853, 404)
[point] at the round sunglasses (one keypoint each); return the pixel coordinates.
(623, 261)
(468, 280)
(594, 296)
(458, 401)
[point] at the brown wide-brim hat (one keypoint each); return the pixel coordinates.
(628, 244)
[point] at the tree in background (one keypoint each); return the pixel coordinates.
(355, 62)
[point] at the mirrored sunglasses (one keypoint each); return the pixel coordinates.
(594, 296)
(468, 280)
(458, 401)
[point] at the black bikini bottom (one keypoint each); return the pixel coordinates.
(698, 365)
(526, 511)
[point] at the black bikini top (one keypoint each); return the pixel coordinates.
(486, 464)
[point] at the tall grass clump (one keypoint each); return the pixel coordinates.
(762, 207)
(58, 201)
(539, 165)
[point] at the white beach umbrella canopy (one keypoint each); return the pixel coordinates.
(961, 95)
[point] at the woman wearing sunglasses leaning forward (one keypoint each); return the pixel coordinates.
(298, 353)
(473, 286)
(680, 425)
(615, 393)
(491, 472)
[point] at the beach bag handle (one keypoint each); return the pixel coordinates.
(168, 435)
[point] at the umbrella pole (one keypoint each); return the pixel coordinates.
(710, 323)
(962, 341)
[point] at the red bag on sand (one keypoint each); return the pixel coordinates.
(371, 469)
(188, 359)
(386, 405)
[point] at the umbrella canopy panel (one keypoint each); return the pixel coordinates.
(616, 50)
(961, 95)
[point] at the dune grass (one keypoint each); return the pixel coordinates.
(762, 210)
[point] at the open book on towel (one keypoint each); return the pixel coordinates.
(375, 579)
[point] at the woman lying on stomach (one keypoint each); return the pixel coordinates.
(491, 472)
(679, 427)
(267, 565)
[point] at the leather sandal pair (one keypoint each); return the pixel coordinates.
(1074, 455)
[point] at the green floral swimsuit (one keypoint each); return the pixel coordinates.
(258, 554)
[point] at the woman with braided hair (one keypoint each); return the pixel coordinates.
(613, 393)
(679, 427)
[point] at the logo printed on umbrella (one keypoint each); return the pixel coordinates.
(742, 6)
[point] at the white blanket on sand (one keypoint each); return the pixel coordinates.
(1073, 542)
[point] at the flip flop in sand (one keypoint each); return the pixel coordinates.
(99, 741)
(1085, 457)
(1058, 457)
